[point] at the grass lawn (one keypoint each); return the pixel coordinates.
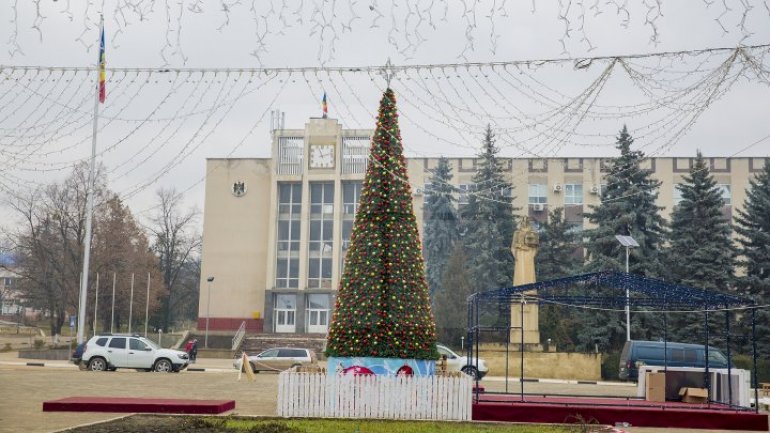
(382, 426)
(236, 424)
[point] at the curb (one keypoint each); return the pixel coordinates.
(69, 365)
(38, 364)
(212, 370)
(560, 381)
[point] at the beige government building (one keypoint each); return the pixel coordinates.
(276, 229)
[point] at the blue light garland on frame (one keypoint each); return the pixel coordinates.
(595, 290)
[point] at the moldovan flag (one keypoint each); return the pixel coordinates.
(324, 106)
(102, 72)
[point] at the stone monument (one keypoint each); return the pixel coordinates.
(524, 249)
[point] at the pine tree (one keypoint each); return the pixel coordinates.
(753, 226)
(451, 301)
(701, 233)
(556, 258)
(383, 308)
(487, 222)
(627, 208)
(441, 224)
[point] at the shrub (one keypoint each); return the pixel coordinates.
(763, 366)
(39, 344)
(6, 348)
(610, 366)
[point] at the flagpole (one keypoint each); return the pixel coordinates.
(90, 198)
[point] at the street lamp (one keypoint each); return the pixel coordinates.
(208, 308)
(628, 242)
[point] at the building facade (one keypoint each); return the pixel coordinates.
(276, 230)
(11, 308)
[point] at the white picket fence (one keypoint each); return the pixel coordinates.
(318, 395)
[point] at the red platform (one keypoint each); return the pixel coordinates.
(554, 409)
(138, 405)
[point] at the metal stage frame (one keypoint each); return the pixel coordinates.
(614, 291)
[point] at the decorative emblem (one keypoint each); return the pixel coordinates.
(239, 188)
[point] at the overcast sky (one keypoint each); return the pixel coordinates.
(158, 128)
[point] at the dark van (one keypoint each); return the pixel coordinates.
(637, 353)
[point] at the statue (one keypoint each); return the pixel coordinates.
(524, 249)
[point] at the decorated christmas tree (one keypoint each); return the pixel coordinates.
(383, 307)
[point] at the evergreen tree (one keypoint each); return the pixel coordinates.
(753, 226)
(441, 225)
(383, 308)
(451, 303)
(627, 208)
(701, 233)
(487, 222)
(556, 258)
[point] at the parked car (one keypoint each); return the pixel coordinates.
(637, 353)
(110, 352)
(456, 362)
(278, 359)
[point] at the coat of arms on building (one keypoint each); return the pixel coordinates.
(239, 188)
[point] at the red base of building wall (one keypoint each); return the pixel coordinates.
(231, 324)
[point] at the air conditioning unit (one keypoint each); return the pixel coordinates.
(557, 187)
(594, 190)
(538, 207)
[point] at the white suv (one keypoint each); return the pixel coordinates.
(110, 352)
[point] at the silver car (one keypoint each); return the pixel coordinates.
(278, 359)
(456, 362)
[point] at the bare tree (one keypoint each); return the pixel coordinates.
(48, 244)
(177, 245)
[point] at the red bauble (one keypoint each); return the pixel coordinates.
(405, 370)
(358, 370)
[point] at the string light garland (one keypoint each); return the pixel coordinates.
(449, 103)
(407, 25)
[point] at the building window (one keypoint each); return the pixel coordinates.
(727, 194)
(290, 154)
(285, 312)
(287, 255)
(351, 194)
(318, 309)
(320, 242)
(355, 154)
(573, 193)
(538, 193)
(8, 281)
